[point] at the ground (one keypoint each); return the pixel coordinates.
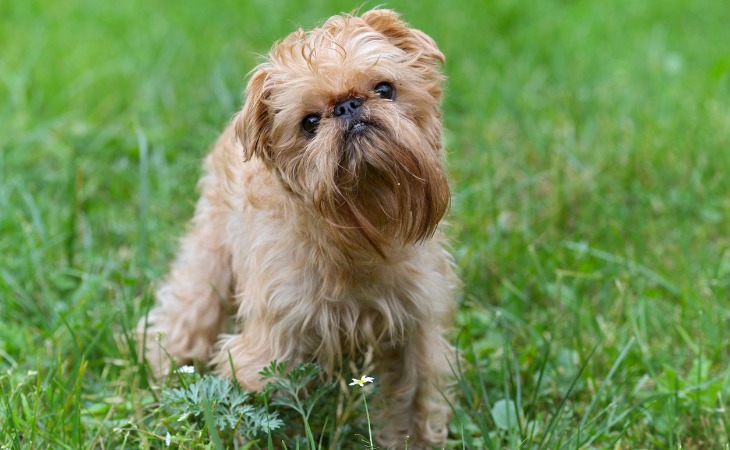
(588, 151)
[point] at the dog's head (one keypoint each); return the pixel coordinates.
(348, 117)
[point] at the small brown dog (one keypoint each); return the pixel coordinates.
(318, 224)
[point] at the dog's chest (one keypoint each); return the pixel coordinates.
(305, 300)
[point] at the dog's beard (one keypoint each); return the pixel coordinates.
(374, 187)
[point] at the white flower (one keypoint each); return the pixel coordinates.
(167, 439)
(361, 382)
(186, 369)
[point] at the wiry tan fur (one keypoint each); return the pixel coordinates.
(325, 245)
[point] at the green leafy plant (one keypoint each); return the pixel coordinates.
(285, 411)
(233, 410)
(296, 391)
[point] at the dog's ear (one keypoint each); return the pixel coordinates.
(253, 123)
(412, 41)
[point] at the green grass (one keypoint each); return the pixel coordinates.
(588, 148)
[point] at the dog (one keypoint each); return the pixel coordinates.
(318, 226)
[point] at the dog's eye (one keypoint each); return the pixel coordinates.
(385, 90)
(310, 123)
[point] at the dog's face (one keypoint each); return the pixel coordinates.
(347, 116)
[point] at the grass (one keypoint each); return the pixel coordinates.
(588, 147)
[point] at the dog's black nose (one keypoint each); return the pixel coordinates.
(348, 109)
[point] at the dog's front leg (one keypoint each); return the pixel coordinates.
(245, 355)
(414, 382)
(191, 305)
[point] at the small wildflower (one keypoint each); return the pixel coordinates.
(186, 369)
(361, 382)
(167, 439)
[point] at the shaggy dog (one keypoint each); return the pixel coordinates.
(318, 225)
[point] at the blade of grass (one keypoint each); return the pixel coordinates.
(469, 398)
(143, 146)
(9, 418)
(210, 423)
(269, 440)
(605, 383)
(631, 265)
(558, 412)
(481, 422)
(540, 376)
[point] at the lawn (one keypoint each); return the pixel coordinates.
(589, 152)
